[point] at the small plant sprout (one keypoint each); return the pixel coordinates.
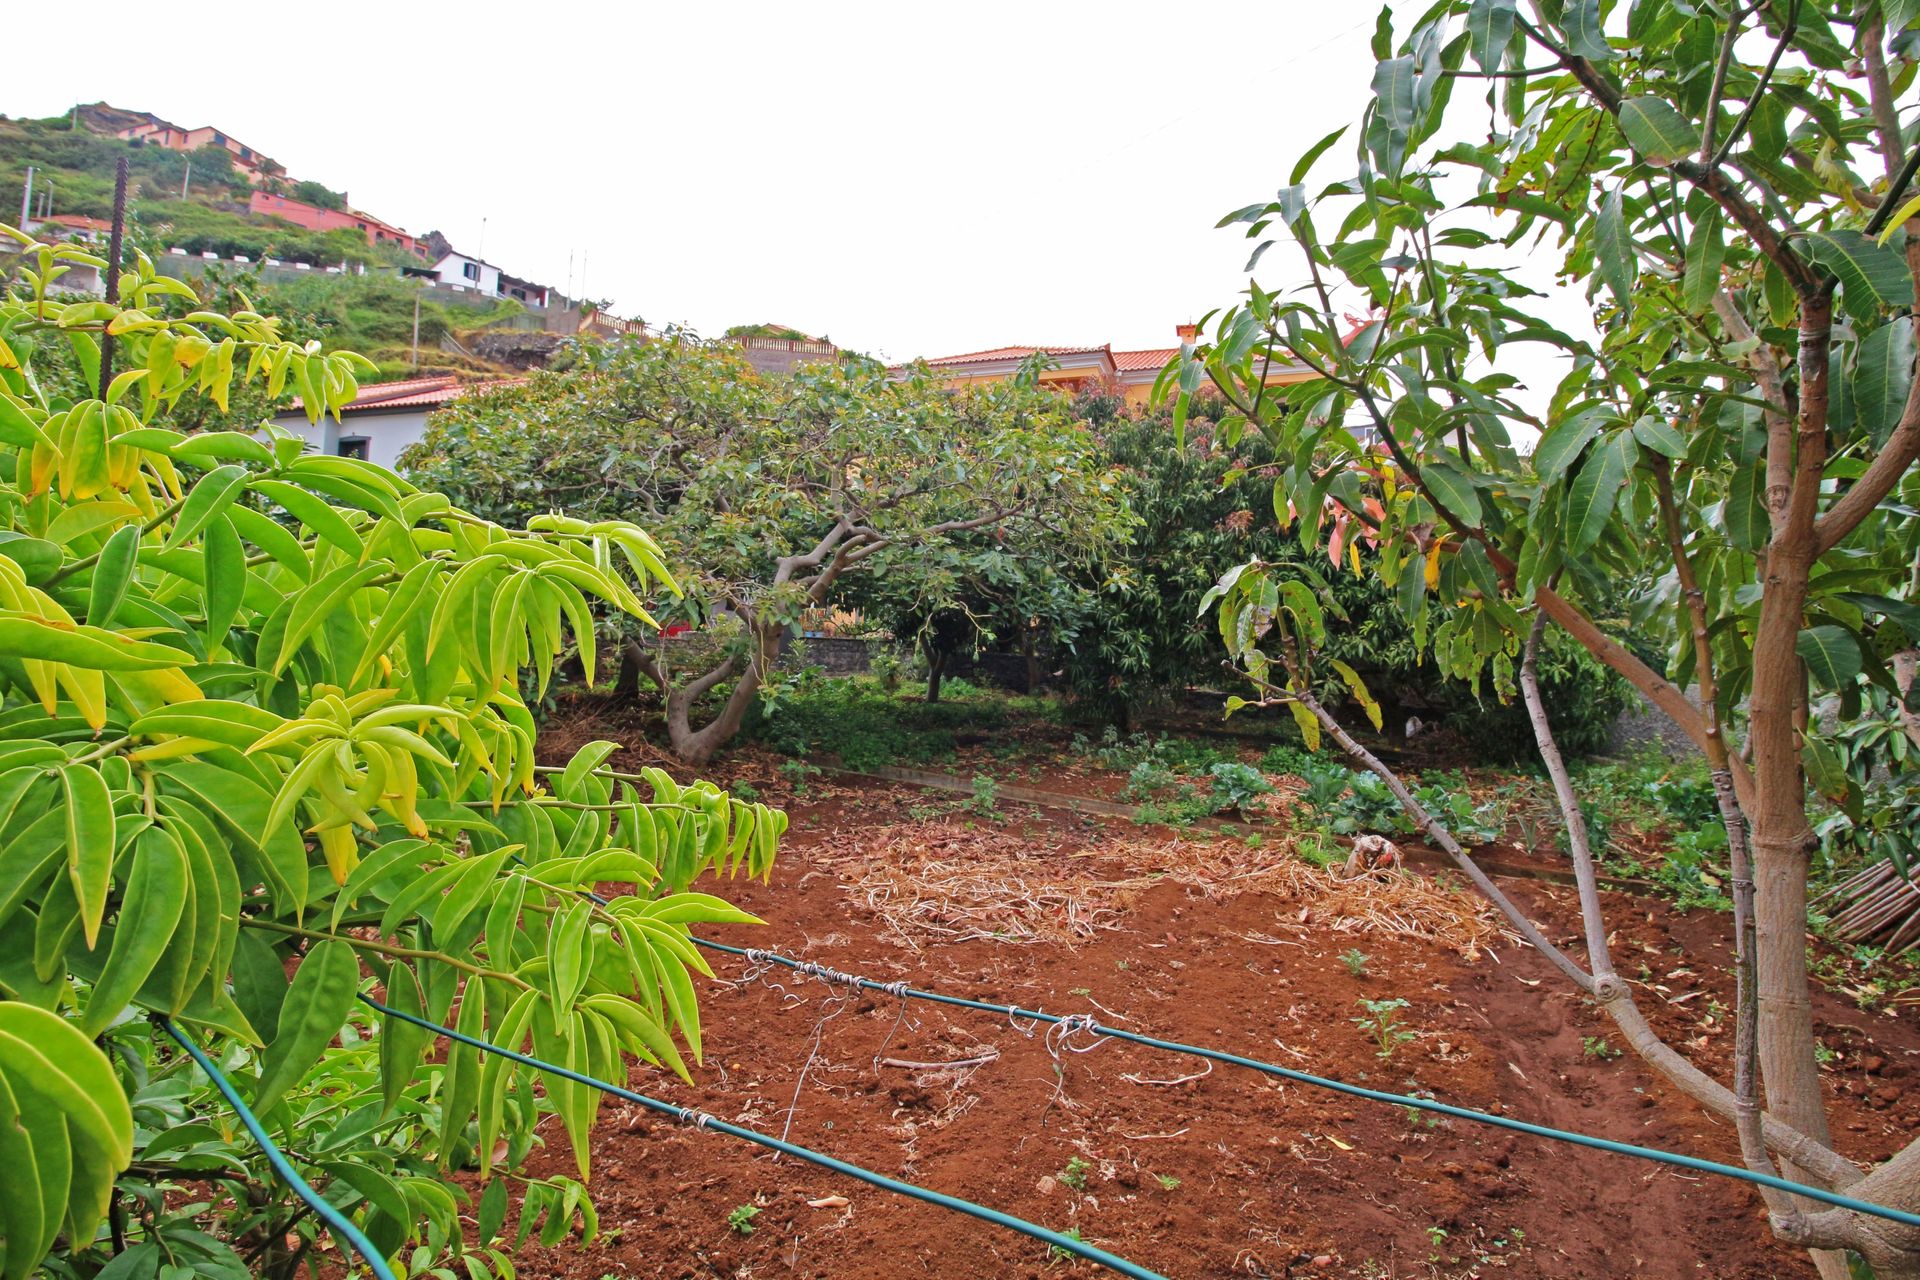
(985, 799)
(1166, 1180)
(740, 1221)
(1075, 1174)
(1057, 1254)
(1382, 1022)
(1598, 1047)
(1356, 961)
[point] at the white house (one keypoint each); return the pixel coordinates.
(462, 272)
(382, 421)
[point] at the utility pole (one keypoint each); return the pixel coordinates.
(186, 177)
(26, 201)
(416, 330)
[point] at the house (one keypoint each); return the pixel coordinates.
(315, 218)
(462, 272)
(1075, 369)
(147, 129)
(383, 420)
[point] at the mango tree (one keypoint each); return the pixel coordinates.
(773, 490)
(262, 749)
(1726, 191)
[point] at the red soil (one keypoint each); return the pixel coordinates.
(1272, 1179)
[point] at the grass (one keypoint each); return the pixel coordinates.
(865, 725)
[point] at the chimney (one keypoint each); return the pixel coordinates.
(1186, 332)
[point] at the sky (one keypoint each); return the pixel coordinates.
(907, 179)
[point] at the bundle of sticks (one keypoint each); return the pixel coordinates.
(1878, 906)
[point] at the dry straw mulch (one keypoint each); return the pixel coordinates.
(946, 881)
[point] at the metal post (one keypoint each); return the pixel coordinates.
(416, 330)
(113, 268)
(186, 177)
(26, 201)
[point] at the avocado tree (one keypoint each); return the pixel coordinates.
(1727, 192)
(263, 749)
(772, 491)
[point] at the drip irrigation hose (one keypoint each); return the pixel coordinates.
(1082, 1022)
(701, 1120)
(340, 1223)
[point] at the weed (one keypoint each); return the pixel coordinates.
(1598, 1047)
(1166, 1180)
(1383, 1024)
(1356, 961)
(798, 773)
(1057, 1254)
(985, 799)
(1075, 1174)
(740, 1221)
(744, 790)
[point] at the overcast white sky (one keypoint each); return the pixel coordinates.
(909, 179)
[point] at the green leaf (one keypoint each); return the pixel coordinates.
(1591, 496)
(1613, 248)
(90, 843)
(1657, 131)
(26, 635)
(213, 494)
(1832, 655)
(112, 575)
(317, 1004)
(1657, 434)
(1581, 20)
(1489, 31)
(1313, 153)
(1883, 377)
(402, 1043)
(1448, 486)
(48, 1064)
(1563, 443)
(1871, 276)
(1744, 514)
(1391, 124)
(226, 579)
(149, 917)
(1706, 254)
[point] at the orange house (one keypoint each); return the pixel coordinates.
(315, 218)
(149, 129)
(1074, 369)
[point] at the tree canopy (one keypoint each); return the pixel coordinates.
(1727, 196)
(770, 491)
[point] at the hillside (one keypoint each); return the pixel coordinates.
(77, 166)
(198, 202)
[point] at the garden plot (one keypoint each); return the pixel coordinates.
(1189, 1171)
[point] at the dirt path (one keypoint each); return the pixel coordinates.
(1227, 1174)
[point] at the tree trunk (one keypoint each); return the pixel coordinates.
(697, 746)
(1782, 839)
(936, 671)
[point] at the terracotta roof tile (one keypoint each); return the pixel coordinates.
(1126, 361)
(414, 393)
(1011, 353)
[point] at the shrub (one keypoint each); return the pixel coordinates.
(262, 747)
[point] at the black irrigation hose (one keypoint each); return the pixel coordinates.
(1085, 1022)
(701, 1120)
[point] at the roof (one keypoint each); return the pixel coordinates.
(1012, 353)
(1127, 361)
(412, 393)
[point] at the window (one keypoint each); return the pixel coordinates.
(471, 270)
(353, 447)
